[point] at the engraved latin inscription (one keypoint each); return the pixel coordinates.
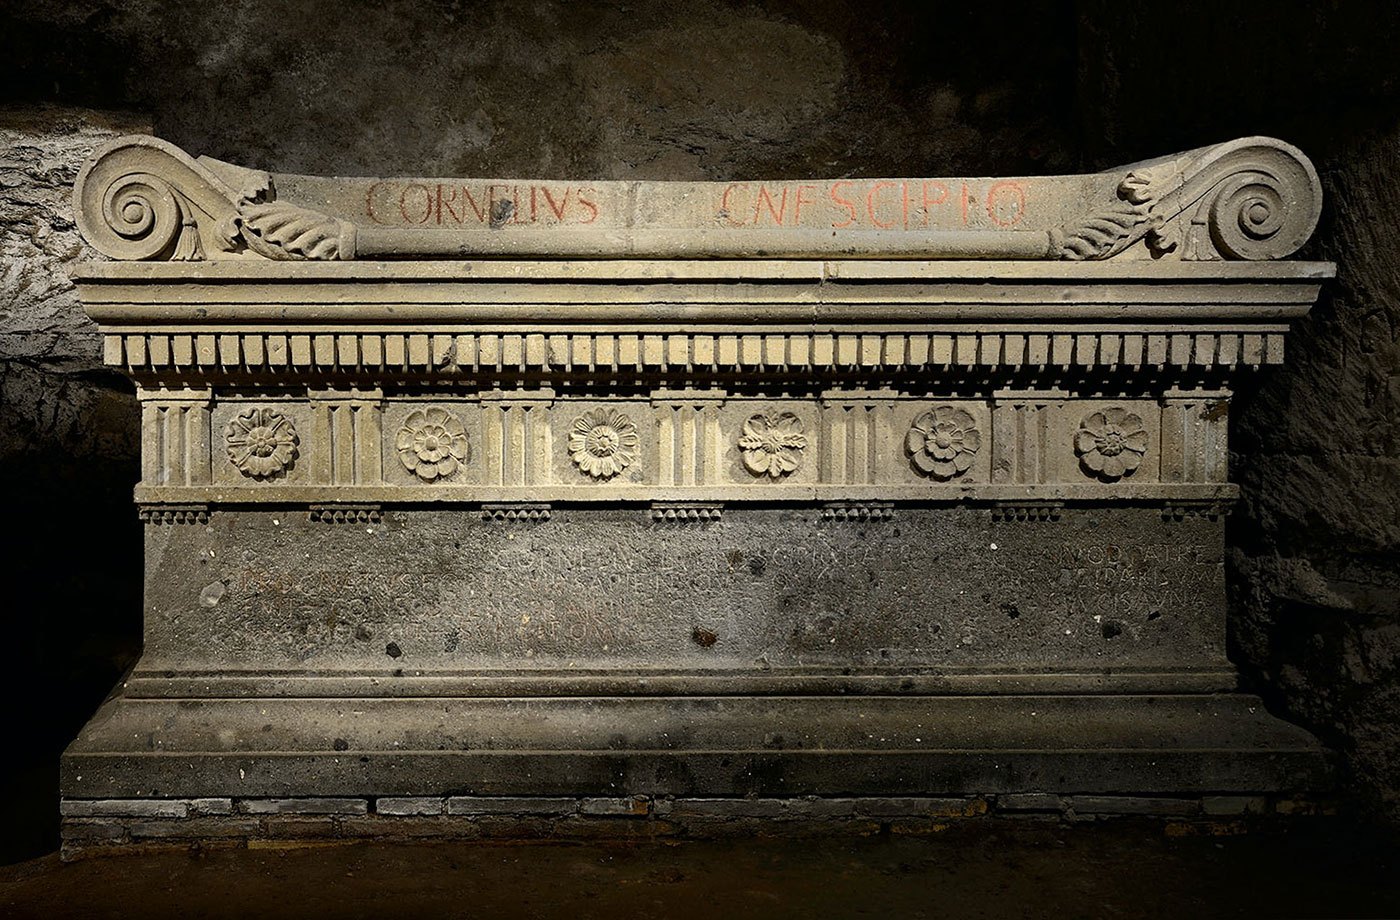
(775, 589)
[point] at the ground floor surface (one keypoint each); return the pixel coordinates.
(1316, 867)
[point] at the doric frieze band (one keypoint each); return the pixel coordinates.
(363, 446)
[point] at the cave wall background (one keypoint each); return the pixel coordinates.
(714, 89)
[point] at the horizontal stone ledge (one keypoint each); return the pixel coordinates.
(579, 312)
(410, 805)
(472, 816)
(316, 805)
(468, 805)
(889, 730)
(157, 684)
(798, 271)
(715, 310)
(125, 808)
(144, 808)
(643, 496)
(822, 807)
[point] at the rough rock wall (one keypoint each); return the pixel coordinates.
(676, 89)
(68, 457)
(712, 89)
(1315, 543)
(68, 438)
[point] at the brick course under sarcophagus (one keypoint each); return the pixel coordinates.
(861, 488)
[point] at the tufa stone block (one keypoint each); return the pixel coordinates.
(306, 806)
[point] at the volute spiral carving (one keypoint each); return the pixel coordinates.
(143, 198)
(1252, 199)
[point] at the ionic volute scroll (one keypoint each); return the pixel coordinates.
(1251, 199)
(142, 198)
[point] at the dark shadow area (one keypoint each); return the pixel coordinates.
(74, 594)
(985, 868)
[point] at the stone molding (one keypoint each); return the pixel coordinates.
(1255, 198)
(687, 512)
(345, 514)
(688, 353)
(527, 512)
(173, 514)
(447, 354)
(858, 511)
(680, 325)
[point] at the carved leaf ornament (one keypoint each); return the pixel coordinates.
(772, 445)
(277, 230)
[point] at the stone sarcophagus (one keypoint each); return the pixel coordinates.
(472, 491)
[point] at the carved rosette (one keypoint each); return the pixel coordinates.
(772, 445)
(1111, 443)
(262, 442)
(432, 444)
(942, 442)
(603, 443)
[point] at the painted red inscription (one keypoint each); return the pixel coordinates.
(442, 204)
(881, 204)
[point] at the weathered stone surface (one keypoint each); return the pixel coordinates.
(214, 806)
(1132, 805)
(85, 830)
(213, 826)
(407, 827)
(125, 808)
(1030, 801)
(1112, 588)
(1234, 804)
(696, 746)
(304, 806)
(520, 805)
(410, 805)
(41, 323)
(297, 827)
(632, 807)
(391, 817)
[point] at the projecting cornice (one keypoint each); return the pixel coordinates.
(1250, 199)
